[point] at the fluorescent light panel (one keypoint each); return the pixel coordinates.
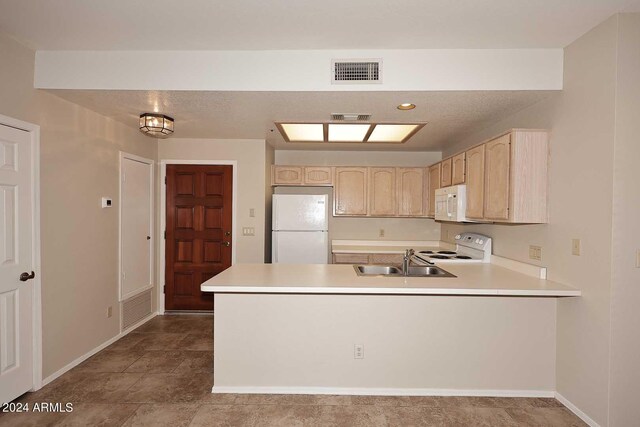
(348, 132)
(391, 133)
(303, 131)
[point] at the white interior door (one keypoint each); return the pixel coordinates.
(16, 259)
(135, 233)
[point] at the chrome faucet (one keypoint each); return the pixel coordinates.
(408, 254)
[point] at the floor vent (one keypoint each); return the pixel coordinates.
(351, 71)
(135, 309)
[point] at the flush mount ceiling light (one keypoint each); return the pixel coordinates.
(156, 125)
(406, 106)
(348, 132)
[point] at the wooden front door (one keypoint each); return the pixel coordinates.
(198, 241)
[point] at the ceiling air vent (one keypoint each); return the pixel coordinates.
(350, 117)
(345, 71)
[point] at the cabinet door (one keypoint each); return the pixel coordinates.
(318, 175)
(382, 192)
(475, 182)
(434, 184)
(287, 175)
(458, 169)
(445, 178)
(497, 167)
(410, 191)
(350, 193)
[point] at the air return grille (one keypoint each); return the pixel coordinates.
(135, 309)
(350, 117)
(350, 71)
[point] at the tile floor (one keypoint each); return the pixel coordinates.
(161, 375)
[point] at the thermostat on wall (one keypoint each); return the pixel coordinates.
(106, 202)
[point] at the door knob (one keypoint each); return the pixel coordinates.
(227, 244)
(148, 237)
(227, 233)
(26, 276)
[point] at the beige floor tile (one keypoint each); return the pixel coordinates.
(353, 416)
(92, 387)
(98, 415)
(227, 415)
(161, 415)
(485, 417)
(30, 419)
(219, 398)
(195, 362)
(547, 417)
(127, 343)
(381, 400)
(194, 342)
(162, 341)
(157, 362)
(405, 416)
(159, 388)
(109, 361)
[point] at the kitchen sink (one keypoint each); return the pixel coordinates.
(377, 270)
(392, 271)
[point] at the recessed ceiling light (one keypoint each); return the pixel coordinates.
(406, 106)
(302, 132)
(348, 132)
(392, 132)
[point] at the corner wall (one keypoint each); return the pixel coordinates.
(79, 163)
(582, 123)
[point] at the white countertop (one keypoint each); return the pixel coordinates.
(472, 279)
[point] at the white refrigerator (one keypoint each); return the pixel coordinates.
(300, 229)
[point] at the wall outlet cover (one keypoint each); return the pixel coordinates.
(575, 247)
(535, 252)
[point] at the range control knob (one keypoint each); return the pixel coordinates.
(481, 242)
(457, 237)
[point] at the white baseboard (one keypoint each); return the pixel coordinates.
(382, 391)
(87, 355)
(573, 408)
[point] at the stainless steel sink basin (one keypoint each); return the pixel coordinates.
(428, 271)
(392, 271)
(377, 270)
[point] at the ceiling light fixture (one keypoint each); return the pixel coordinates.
(156, 125)
(406, 106)
(348, 132)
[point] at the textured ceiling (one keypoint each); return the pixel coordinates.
(301, 24)
(239, 115)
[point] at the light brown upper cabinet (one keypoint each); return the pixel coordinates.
(410, 191)
(318, 175)
(382, 192)
(458, 171)
(286, 175)
(507, 178)
(445, 173)
(475, 182)
(350, 192)
(434, 184)
(497, 155)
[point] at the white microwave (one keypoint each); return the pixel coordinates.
(451, 203)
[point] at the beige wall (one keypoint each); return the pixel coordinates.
(79, 164)
(625, 311)
(364, 228)
(250, 155)
(582, 122)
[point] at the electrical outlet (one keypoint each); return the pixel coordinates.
(535, 252)
(358, 351)
(381, 232)
(575, 247)
(109, 311)
(252, 213)
(248, 231)
(638, 258)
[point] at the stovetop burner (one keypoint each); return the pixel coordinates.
(447, 252)
(439, 257)
(462, 257)
(425, 252)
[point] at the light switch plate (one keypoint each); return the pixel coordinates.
(535, 252)
(575, 247)
(638, 258)
(248, 231)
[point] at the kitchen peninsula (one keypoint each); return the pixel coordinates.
(323, 329)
